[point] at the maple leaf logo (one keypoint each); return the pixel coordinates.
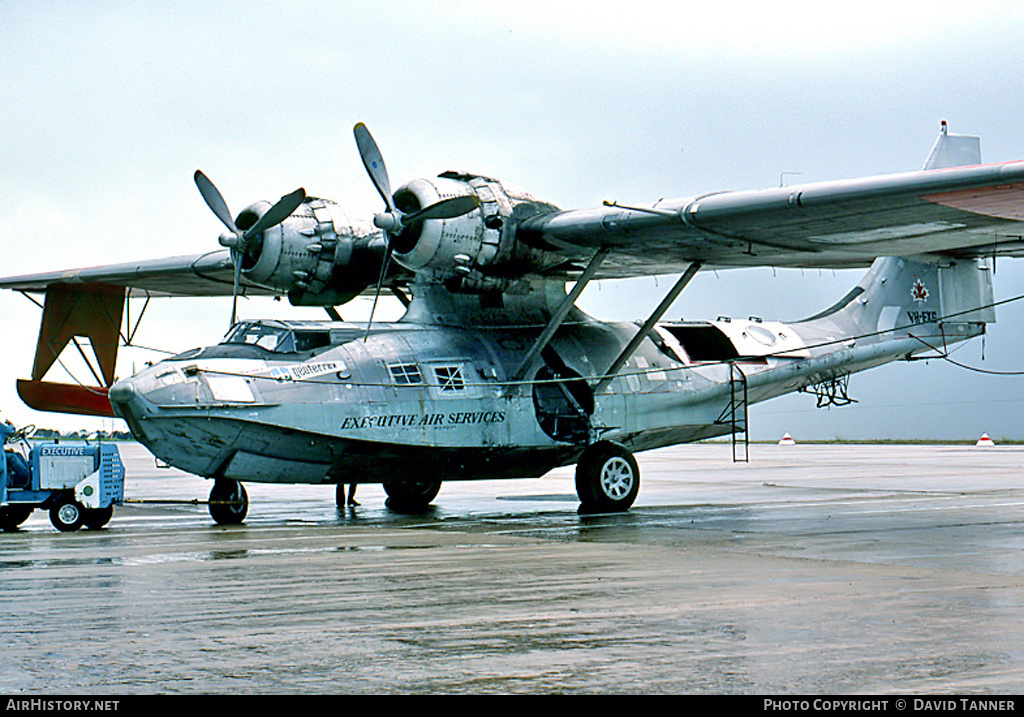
(919, 292)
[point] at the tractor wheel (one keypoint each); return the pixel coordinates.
(67, 514)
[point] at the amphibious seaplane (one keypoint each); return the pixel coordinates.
(493, 372)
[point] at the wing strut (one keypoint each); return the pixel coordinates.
(648, 326)
(559, 316)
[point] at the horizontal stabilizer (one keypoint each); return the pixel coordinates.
(65, 398)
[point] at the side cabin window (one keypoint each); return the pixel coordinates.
(703, 342)
(405, 374)
(445, 380)
(449, 379)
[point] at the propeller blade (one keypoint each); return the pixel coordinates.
(277, 213)
(445, 209)
(214, 200)
(373, 160)
(380, 284)
(234, 292)
(394, 221)
(274, 216)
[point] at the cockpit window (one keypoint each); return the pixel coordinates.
(278, 338)
(267, 336)
(309, 340)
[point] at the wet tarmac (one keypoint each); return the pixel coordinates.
(813, 569)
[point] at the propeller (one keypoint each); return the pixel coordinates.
(394, 221)
(238, 240)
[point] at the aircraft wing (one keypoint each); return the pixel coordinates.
(954, 212)
(957, 212)
(210, 274)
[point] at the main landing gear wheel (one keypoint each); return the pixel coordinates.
(410, 496)
(67, 514)
(228, 502)
(607, 478)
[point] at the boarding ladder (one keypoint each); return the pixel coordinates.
(736, 413)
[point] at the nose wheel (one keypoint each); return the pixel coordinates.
(607, 478)
(228, 502)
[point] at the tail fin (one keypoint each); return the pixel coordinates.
(953, 150)
(907, 292)
(901, 292)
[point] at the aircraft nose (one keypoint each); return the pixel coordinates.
(122, 392)
(126, 400)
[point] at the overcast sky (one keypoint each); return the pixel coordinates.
(109, 107)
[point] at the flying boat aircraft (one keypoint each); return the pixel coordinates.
(493, 372)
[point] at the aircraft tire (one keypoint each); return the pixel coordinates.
(410, 496)
(96, 518)
(229, 502)
(11, 516)
(607, 478)
(67, 514)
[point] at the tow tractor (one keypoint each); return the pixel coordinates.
(79, 484)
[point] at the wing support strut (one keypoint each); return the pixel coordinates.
(648, 326)
(560, 313)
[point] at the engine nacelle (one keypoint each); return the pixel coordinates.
(480, 247)
(319, 255)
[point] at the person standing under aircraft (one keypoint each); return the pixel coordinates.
(340, 499)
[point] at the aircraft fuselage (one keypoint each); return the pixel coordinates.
(322, 402)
